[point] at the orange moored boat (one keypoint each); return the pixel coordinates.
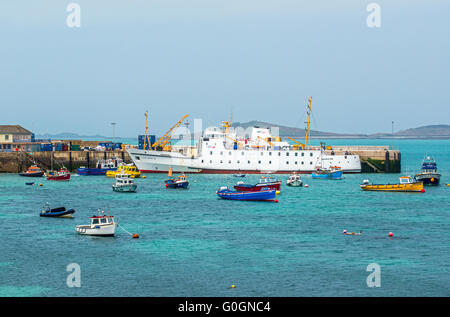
(407, 184)
(33, 171)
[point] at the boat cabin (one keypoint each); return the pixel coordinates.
(406, 180)
(124, 179)
(269, 179)
(101, 220)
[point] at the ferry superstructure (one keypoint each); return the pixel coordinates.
(221, 151)
(215, 153)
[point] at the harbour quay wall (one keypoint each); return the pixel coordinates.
(15, 162)
(374, 159)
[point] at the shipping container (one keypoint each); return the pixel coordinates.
(117, 146)
(46, 147)
(141, 141)
(76, 147)
(35, 147)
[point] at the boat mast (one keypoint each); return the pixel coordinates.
(308, 132)
(146, 139)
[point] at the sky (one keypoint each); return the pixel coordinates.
(260, 59)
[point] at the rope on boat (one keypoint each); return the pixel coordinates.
(135, 236)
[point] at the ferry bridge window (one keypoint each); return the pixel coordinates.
(221, 153)
(103, 220)
(296, 154)
(242, 153)
(262, 153)
(287, 153)
(95, 221)
(270, 162)
(248, 162)
(303, 154)
(210, 152)
(229, 153)
(279, 153)
(270, 153)
(310, 154)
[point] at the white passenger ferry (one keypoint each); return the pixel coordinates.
(221, 150)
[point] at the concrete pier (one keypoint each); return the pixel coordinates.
(15, 162)
(374, 159)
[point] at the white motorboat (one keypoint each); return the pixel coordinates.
(101, 225)
(294, 180)
(124, 183)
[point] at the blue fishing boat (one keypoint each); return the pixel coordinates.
(428, 174)
(100, 168)
(179, 182)
(333, 172)
(262, 195)
(60, 212)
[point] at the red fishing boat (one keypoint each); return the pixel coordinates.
(62, 175)
(263, 184)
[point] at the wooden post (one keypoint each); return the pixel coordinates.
(87, 159)
(386, 162)
(70, 159)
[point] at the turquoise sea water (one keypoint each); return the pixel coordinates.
(194, 244)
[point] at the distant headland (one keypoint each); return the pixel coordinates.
(440, 131)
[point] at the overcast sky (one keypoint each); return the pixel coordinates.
(261, 59)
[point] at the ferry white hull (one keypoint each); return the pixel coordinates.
(227, 161)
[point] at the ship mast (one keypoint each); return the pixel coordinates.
(228, 124)
(308, 132)
(146, 139)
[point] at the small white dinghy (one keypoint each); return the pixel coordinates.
(294, 180)
(101, 225)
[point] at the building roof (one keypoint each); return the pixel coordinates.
(13, 129)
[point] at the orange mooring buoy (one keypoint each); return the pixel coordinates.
(135, 236)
